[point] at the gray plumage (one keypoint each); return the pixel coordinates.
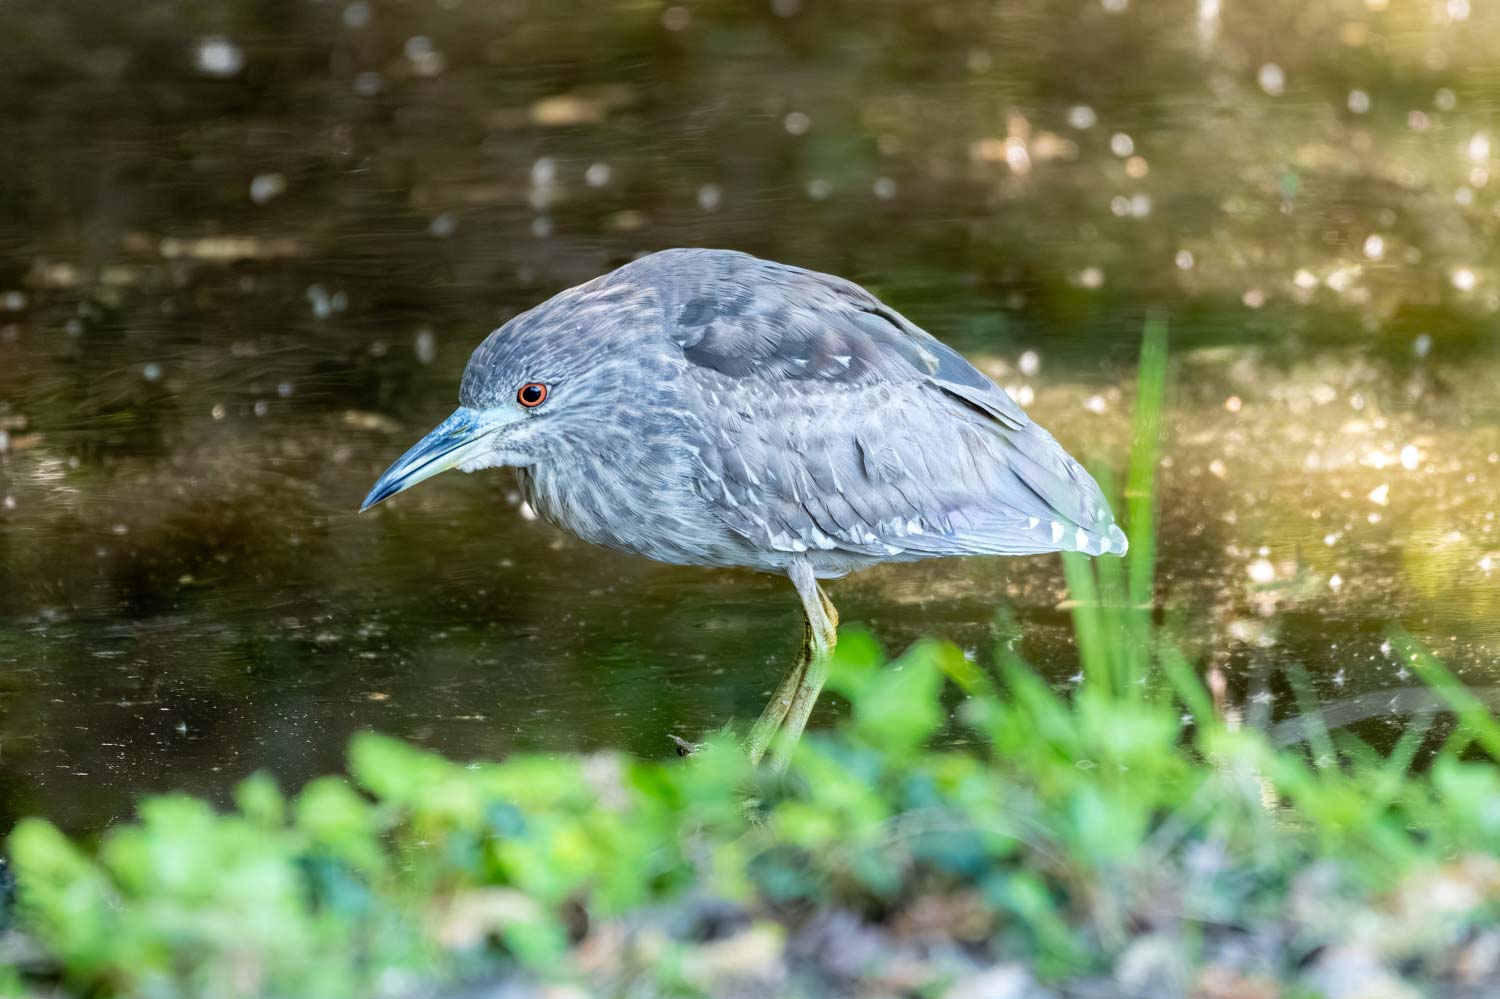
(706, 407)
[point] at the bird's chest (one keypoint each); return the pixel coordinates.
(634, 496)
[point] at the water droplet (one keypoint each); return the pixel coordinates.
(1271, 79)
(425, 345)
(1081, 117)
(424, 57)
(266, 186)
(218, 56)
(357, 15)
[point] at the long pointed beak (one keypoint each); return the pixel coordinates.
(449, 444)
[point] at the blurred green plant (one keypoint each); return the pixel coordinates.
(1126, 832)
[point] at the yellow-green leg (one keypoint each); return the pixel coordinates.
(781, 701)
(822, 629)
(792, 703)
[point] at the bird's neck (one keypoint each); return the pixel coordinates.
(616, 491)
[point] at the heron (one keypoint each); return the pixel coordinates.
(710, 408)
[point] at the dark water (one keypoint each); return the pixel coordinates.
(245, 249)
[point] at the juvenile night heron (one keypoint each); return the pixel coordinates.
(705, 407)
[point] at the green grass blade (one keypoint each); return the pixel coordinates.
(1093, 650)
(1126, 659)
(1473, 714)
(1314, 729)
(1187, 686)
(1145, 447)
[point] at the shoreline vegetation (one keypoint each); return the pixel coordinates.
(963, 831)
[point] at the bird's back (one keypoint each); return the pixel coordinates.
(824, 426)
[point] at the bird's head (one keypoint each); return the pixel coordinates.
(549, 379)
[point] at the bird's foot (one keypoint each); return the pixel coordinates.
(684, 748)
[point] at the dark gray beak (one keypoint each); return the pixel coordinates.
(451, 443)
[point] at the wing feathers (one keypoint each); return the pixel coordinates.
(829, 421)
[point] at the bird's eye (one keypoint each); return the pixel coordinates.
(532, 395)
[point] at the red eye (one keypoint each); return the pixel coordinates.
(532, 395)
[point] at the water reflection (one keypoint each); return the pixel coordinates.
(245, 250)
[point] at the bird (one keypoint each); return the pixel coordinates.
(710, 408)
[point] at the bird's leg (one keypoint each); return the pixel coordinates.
(781, 701)
(833, 617)
(822, 621)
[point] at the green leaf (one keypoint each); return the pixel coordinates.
(260, 800)
(856, 660)
(897, 708)
(340, 822)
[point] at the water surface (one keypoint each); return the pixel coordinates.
(245, 249)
